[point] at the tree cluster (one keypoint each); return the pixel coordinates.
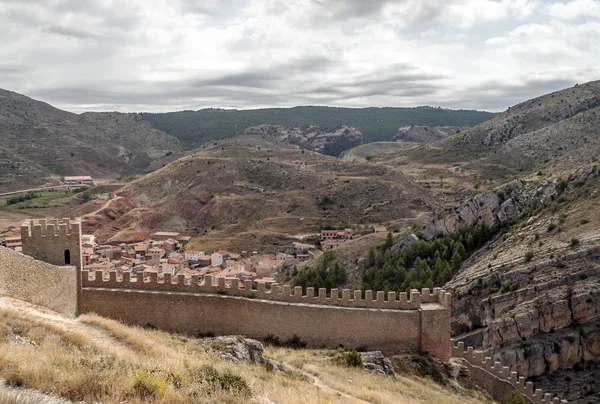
(23, 197)
(323, 276)
(426, 264)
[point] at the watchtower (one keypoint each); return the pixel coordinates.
(55, 241)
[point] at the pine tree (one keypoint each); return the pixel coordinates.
(456, 260)
(460, 249)
(470, 243)
(389, 241)
(370, 259)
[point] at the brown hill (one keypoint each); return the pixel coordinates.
(422, 134)
(312, 138)
(40, 143)
(245, 197)
(557, 132)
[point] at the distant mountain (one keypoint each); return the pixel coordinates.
(376, 124)
(311, 138)
(555, 132)
(40, 143)
(422, 134)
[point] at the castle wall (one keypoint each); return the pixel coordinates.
(498, 380)
(37, 282)
(198, 308)
(435, 331)
(47, 240)
(391, 331)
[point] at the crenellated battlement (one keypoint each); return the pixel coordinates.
(492, 372)
(235, 287)
(50, 228)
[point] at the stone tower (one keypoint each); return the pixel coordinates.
(55, 241)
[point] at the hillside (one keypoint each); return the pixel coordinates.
(40, 143)
(310, 138)
(376, 124)
(557, 131)
(94, 359)
(247, 194)
(531, 296)
(423, 134)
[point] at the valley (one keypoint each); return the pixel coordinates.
(527, 294)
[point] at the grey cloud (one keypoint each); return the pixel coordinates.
(13, 69)
(211, 8)
(496, 95)
(70, 32)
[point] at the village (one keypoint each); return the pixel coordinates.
(168, 252)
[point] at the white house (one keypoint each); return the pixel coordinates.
(88, 238)
(216, 259)
(193, 255)
(79, 180)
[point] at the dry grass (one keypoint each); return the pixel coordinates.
(134, 365)
(368, 386)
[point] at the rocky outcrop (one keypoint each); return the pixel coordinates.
(376, 362)
(578, 384)
(494, 207)
(549, 324)
(238, 349)
(312, 138)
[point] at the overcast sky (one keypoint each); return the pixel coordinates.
(165, 55)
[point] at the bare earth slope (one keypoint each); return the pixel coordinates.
(250, 196)
(39, 142)
(558, 131)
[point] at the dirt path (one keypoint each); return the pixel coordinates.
(321, 385)
(106, 205)
(98, 336)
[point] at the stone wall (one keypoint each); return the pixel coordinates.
(52, 240)
(37, 282)
(498, 380)
(199, 307)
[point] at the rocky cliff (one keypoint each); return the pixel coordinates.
(531, 297)
(312, 138)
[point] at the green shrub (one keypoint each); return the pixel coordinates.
(146, 384)
(561, 264)
(584, 221)
(353, 359)
(551, 226)
(528, 256)
(215, 380)
(561, 218)
(514, 397)
(574, 241)
(295, 342)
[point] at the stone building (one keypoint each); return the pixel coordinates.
(55, 241)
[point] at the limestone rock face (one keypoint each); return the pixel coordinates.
(239, 349)
(376, 362)
(312, 138)
(493, 207)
